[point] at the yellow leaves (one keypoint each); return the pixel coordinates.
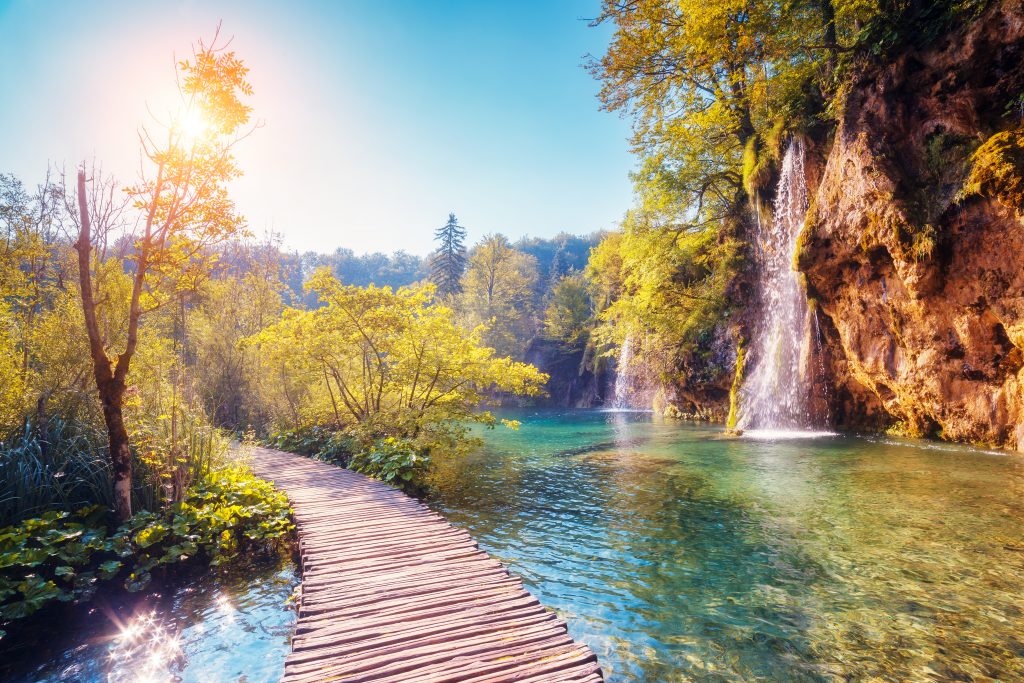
(214, 80)
(183, 197)
(670, 283)
(497, 291)
(382, 357)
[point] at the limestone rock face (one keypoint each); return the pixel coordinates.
(573, 382)
(920, 289)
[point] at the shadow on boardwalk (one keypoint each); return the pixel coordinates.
(392, 592)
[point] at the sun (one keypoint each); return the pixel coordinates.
(192, 126)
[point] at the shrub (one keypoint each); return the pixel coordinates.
(173, 452)
(393, 461)
(61, 466)
(63, 557)
(322, 443)
(64, 465)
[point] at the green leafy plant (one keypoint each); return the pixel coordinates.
(63, 556)
(61, 466)
(322, 443)
(393, 461)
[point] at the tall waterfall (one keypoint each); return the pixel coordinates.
(776, 392)
(623, 377)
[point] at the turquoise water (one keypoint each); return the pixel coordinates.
(679, 554)
(235, 626)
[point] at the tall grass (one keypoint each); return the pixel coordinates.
(172, 453)
(61, 466)
(65, 466)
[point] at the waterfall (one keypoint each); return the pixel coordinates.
(775, 395)
(623, 383)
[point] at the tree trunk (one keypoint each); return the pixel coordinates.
(110, 385)
(828, 16)
(120, 452)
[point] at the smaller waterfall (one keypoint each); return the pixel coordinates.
(776, 393)
(623, 377)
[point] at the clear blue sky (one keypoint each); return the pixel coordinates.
(380, 116)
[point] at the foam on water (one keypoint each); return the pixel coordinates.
(785, 434)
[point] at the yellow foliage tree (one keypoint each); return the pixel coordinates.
(184, 209)
(379, 363)
(497, 292)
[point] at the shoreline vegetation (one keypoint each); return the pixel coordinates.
(66, 556)
(142, 328)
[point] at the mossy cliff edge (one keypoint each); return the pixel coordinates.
(914, 245)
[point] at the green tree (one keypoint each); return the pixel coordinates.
(184, 209)
(234, 307)
(570, 312)
(497, 292)
(449, 261)
(379, 363)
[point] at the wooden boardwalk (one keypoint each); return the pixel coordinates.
(392, 592)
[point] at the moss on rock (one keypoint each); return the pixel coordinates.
(997, 170)
(734, 391)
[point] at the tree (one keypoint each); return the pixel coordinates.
(715, 86)
(449, 261)
(378, 362)
(235, 306)
(184, 209)
(498, 290)
(570, 312)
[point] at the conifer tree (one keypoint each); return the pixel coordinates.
(449, 261)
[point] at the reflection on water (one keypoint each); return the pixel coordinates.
(678, 554)
(234, 627)
(143, 650)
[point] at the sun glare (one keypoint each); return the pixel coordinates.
(192, 126)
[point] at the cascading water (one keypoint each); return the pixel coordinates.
(623, 382)
(776, 392)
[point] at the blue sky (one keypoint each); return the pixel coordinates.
(380, 116)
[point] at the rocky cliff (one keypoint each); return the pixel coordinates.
(575, 379)
(913, 249)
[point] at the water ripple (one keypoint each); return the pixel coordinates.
(678, 555)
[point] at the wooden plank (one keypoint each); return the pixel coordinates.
(392, 592)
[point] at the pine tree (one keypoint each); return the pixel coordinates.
(449, 261)
(557, 268)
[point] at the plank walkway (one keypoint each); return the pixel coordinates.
(392, 592)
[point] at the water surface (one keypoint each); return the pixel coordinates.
(679, 554)
(212, 627)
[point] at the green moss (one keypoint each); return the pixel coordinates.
(922, 243)
(756, 167)
(901, 428)
(997, 170)
(881, 224)
(734, 391)
(799, 256)
(775, 139)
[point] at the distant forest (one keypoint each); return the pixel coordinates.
(555, 256)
